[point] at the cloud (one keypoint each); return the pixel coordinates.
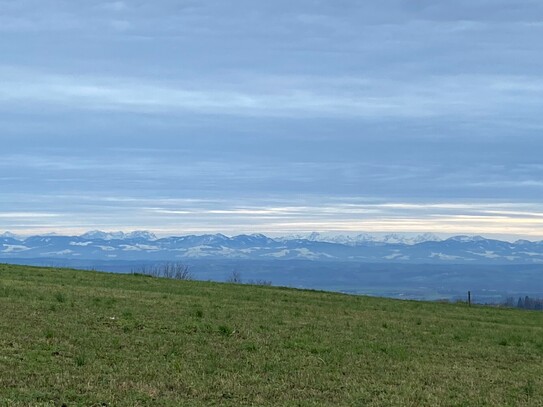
(27, 215)
(469, 96)
(230, 216)
(190, 115)
(121, 25)
(40, 22)
(115, 6)
(478, 10)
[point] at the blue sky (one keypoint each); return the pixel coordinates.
(277, 117)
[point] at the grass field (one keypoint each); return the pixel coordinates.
(79, 338)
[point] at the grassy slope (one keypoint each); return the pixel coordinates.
(85, 338)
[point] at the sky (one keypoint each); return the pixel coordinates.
(276, 116)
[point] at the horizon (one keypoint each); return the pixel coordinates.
(390, 117)
(302, 235)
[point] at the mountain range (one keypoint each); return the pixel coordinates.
(143, 245)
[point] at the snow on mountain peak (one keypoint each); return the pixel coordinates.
(467, 239)
(393, 247)
(140, 234)
(361, 238)
(98, 234)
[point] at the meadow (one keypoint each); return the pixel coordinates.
(82, 338)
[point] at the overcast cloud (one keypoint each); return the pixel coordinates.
(260, 116)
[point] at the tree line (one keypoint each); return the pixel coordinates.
(525, 303)
(180, 271)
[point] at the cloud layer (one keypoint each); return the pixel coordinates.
(271, 116)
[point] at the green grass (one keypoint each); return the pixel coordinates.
(80, 338)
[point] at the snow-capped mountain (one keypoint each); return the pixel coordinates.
(138, 234)
(142, 245)
(8, 235)
(364, 238)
